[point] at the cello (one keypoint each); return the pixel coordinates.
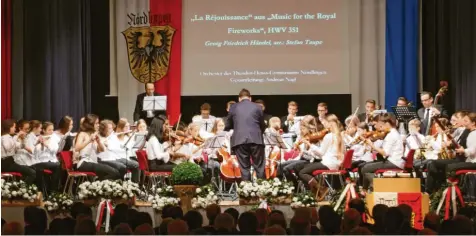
(441, 92)
(229, 166)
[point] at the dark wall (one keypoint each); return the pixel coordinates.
(104, 107)
(276, 105)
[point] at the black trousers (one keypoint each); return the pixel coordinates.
(133, 166)
(101, 170)
(452, 168)
(247, 153)
(291, 170)
(436, 174)
(369, 169)
(28, 173)
(157, 165)
(306, 173)
(54, 167)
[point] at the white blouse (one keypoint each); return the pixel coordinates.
(393, 147)
(415, 142)
(47, 153)
(470, 151)
(156, 150)
(23, 157)
(329, 151)
(10, 145)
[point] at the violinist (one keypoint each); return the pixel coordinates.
(362, 152)
(10, 145)
(179, 150)
(156, 146)
(391, 150)
(308, 126)
(274, 126)
(470, 151)
(194, 140)
(124, 153)
(414, 140)
(213, 164)
(331, 152)
(437, 169)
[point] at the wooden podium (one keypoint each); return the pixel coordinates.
(388, 190)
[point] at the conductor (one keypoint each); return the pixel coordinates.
(247, 121)
(138, 111)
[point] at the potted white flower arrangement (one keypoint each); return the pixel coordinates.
(19, 193)
(204, 196)
(58, 203)
(118, 191)
(162, 196)
(276, 191)
(249, 193)
(304, 200)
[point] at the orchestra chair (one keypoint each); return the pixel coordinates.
(341, 173)
(407, 168)
(11, 176)
(157, 178)
(66, 158)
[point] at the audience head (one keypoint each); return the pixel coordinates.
(234, 213)
(360, 231)
(85, 227)
(277, 219)
(432, 221)
(352, 219)
(262, 216)
(300, 226)
(379, 211)
(194, 220)
(212, 211)
(394, 220)
(407, 212)
(427, 231)
(274, 230)
(224, 221)
(144, 229)
(357, 204)
(163, 228)
(13, 228)
(175, 212)
(122, 229)
(248, 223)
(463, 225)
(177, 227)
(329, 220)
(80, 208)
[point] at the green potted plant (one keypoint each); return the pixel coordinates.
(186, 177)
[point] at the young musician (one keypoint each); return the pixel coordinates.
(322, 111)
(218, 129)
(391, 150)
(125, 154)
(470, 151)
(10, 145)
(288, 121)
(109, 155)
(179, 150)
(414, 140)
(65, 126)
(263, 106)
(156, 146)
(204, 119)
(428, 111)
(370, 106)
(141, 126)
(45, 155)
(331, 153)
(87, 146)
(25, 156)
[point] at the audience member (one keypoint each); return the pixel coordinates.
(224, 223)
(85, 227)
(144, 229)
(274, 230)
(164, 225)
(351, 220)
(427, 231)
(378, 214)
(194, 220)
(122, 229)
(13, 228)
(462, 225)
(447, 227)
(394, 221)
(262, 216)
(360, 231)
(177, 227)
(407, 227)
(212, 211)
(235, 214)
(329, 220)
(432, 221)
(300, 226)
(175, 213)
(277, 219)
(314, 220)
(248, 223)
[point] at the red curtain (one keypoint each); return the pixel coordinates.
(6, 59)
(170, 85)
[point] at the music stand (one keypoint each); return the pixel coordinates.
(217, 141)
(272, 140)
(154, 103)
(405, 114)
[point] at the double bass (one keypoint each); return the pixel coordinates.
(441, 92)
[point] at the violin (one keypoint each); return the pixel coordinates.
(372, 135)
(318, 136)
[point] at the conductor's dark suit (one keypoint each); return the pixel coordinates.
(246, 120)
(138, 111)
